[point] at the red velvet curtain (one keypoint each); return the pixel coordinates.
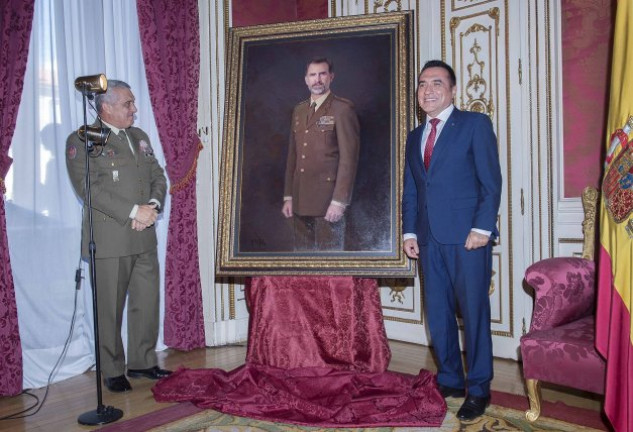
(15, 33)
(587, 35)
(171, 51)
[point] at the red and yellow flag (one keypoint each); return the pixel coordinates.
(615, 261)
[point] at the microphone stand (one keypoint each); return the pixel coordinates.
(103, 414)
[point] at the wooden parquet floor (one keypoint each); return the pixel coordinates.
(70, 398)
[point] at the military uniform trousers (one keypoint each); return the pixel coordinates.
(135, 277)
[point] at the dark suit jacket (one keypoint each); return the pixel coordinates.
(118, 181)
(322, 156)
(462, 188)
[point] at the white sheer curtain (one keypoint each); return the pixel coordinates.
(70, 38)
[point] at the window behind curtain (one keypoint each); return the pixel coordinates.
(69, 39)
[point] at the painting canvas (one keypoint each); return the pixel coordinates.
(371, 59)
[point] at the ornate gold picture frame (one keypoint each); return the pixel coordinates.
(373, 63)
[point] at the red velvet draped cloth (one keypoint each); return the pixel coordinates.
(333, 322)
(317, 355)
(171, 51)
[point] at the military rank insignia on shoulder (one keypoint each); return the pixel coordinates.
(71, 152)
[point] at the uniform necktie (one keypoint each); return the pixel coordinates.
(312, 110)
(123, 135)
(430, 141)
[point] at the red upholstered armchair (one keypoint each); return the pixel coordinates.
(559, 348)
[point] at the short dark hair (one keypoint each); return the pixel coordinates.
(100, 98)
(317, 60)
(443, 65)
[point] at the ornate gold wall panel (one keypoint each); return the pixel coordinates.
(402, 300)
(387, 6)
(475, 54)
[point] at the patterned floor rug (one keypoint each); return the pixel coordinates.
(497, 418)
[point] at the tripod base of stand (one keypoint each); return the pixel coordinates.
(102, 415)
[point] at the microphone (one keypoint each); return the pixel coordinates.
(95, 134)
(92, 83)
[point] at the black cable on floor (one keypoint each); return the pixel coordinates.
(38, 405)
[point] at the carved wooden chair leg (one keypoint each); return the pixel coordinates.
(534, 394)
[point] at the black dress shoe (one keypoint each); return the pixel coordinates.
(151, 373)
(446, 391)
(117, 384)
(473, 407)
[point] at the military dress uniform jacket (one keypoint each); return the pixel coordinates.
(322, 156)
(119, 179)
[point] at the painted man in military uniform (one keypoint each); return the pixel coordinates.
(128, 189)
(322, 163)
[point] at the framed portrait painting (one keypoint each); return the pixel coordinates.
(316, 188)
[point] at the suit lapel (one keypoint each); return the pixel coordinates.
(415, 151)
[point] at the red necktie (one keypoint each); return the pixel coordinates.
(430, 140)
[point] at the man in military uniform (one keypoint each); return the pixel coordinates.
(127, 192)
(322, 162)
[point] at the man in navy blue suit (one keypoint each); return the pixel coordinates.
(452, 191)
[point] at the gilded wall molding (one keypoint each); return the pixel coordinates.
(457, 5)
(541, 141)
(385, 4)
(477, 94)
(497, 277)
(231, 301)
(398, 289)
(403, 320)
(550, 128)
